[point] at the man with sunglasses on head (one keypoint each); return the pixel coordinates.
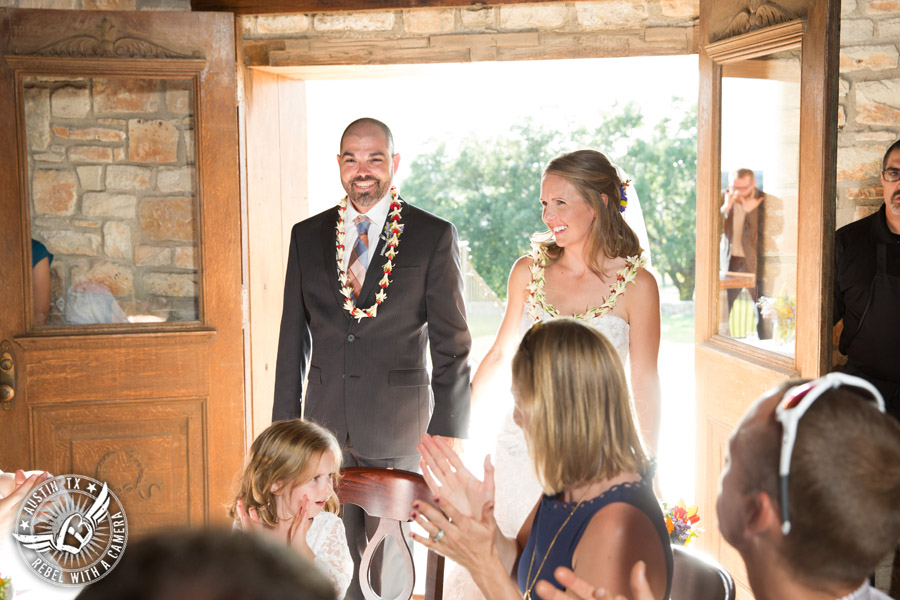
(809, 497)
(867, 289)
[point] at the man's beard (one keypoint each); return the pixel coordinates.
(370, 197)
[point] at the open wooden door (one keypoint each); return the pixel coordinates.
(119, 157)
(768, 104)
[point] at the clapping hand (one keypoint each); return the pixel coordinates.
(579, 589)
(449, 480)
(290, 531)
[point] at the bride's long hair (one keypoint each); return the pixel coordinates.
(591, 173)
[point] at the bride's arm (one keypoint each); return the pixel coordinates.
(504, 346)
(643, 352)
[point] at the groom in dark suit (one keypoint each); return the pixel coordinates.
(370, 285)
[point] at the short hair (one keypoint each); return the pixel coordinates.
(369, 122)
(592, 174)
(288, 452)
(887, 154)
(844, 484)
(578, 419)
(737, 174)
(210, 565)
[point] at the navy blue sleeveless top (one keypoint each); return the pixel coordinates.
(551, 514)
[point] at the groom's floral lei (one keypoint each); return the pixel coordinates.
(394, 228)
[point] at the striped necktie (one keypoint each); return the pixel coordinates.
(359, 256)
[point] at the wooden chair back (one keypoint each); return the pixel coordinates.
(388, 494)
(698, 576)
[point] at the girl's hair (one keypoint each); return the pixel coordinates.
(285, 454)
(578, 419)
(591, 173)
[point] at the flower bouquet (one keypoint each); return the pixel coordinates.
(681, 521)
(6, 589)
(782, 309)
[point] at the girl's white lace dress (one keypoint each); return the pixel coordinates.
(327, 540)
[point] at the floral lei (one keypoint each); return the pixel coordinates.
(535, 288)
(393, 227)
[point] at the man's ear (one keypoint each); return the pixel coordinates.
(761, 515)
(396, 160)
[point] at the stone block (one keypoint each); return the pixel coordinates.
(858, 163)
(877, 136)
(168, 219)
(680, 9)
(847, 7)
(354, 21)
(67, 241)
(178, 98)
(54, 192)
(248, 25)
(119, 154)
(93, 154)
(113, 122)
(94, 134)
(104, 204)
(616, 14)
(154, 141)
(186, 257)
(883, 6)
(878, 102)
(856, 30)
(117, 279)
(426, 21)
(188, 136)
(175, 179)
(477, 17)
(88, 223)
(866, 194)
(127, 177)
(680, 35)
(56, 154)
(843, 87)
(282, 24)
(109, 4)
(90, 177)
(152, 256)
(533, 16)
(117, 240)
(842, 117)
(127, 95)
(37, 118)
(56, 4)
(70, 102)
(874, 58)
(889, 28)
(171, 284)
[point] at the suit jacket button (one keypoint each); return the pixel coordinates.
(351, 337)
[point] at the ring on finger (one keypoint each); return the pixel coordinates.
(438, 535)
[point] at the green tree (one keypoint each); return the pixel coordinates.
(665, 172)
(490, 188)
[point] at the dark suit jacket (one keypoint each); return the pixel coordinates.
(368, 379)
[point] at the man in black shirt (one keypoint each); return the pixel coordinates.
(867, 289)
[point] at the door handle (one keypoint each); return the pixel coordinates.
(7, 376)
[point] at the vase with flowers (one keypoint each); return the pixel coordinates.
(782, 310)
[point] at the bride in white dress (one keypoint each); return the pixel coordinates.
(589, 264)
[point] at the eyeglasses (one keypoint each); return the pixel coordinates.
(793, 406)
(891, 175)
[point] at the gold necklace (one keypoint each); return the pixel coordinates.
(530, 586)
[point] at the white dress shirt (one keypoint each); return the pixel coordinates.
(377, 214)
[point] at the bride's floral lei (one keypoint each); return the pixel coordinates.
(539, 304)
(394, 228)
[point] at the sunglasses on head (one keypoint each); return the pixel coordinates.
(793, 406)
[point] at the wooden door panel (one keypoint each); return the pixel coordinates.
(131, 364)
(153, 408)
(150, 453)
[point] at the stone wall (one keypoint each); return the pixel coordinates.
(99, 4)
(869, 117)
(480, 33)
(111, 181)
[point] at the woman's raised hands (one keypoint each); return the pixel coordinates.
(449, 480)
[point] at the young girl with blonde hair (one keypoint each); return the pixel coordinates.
(287, 494)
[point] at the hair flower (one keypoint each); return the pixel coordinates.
(623, 201)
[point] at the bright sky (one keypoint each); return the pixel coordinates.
(451, 100)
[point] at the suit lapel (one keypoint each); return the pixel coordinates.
(330, 262)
